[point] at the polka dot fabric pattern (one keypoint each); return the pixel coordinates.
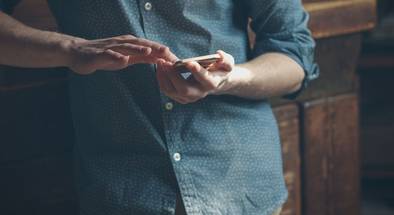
(136, 149)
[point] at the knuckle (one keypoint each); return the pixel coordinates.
(119, 46)
(129, 46)
(138, 40)
(129, 37)
(124, 40)
(109, 46)
(125, 37)
(113, 40)
(95, 52)
(165, 49)
(187, 93)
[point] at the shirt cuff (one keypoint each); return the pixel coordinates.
(302, 54)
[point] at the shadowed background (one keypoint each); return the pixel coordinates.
(322, 149)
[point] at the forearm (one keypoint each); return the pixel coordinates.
(24, 46)
(269, 75)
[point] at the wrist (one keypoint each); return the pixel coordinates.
(238, 78)
(67, 50)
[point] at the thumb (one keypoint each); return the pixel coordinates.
(225, 64)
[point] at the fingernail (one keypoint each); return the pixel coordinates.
(147, 50)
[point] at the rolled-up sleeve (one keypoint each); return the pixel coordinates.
(281, 26)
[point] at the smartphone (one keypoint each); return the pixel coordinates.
(204, 61)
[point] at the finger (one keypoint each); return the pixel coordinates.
(143, 59)
(164, 83)
(158, 50)
(183, 101)
(225, 64)
(130, 49)
(226, 58)
(110, 60)
(155, 46)
(184, 89)
(201, 75)
(152, 56)
(165, 53)
(144, 42)
(130, 39)
(137, 41)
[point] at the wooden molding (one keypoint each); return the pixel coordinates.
(334, 18)
(328, 18)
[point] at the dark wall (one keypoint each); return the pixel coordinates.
(376, 69)
(36, 135)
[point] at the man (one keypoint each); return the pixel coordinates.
(152, 141)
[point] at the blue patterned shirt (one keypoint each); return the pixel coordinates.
(136, 148)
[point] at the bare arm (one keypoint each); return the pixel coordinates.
(271, 74)
(20, 45)
(268, 75)
(282, 58)
(24, 46)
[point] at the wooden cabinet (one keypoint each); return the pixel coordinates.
(331, 155)
(329, 116)
(289, 126)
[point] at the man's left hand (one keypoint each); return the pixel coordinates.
(202, 82)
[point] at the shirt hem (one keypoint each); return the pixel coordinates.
(282, 200)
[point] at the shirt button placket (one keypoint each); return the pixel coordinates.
(171, 128)
(148, 6)
(177, 156)
(169, 106)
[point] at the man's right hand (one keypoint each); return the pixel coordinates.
(86, 56)
(23, 46)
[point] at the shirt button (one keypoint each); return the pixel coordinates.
(148, 6)
(177, 156)
(169, 106)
